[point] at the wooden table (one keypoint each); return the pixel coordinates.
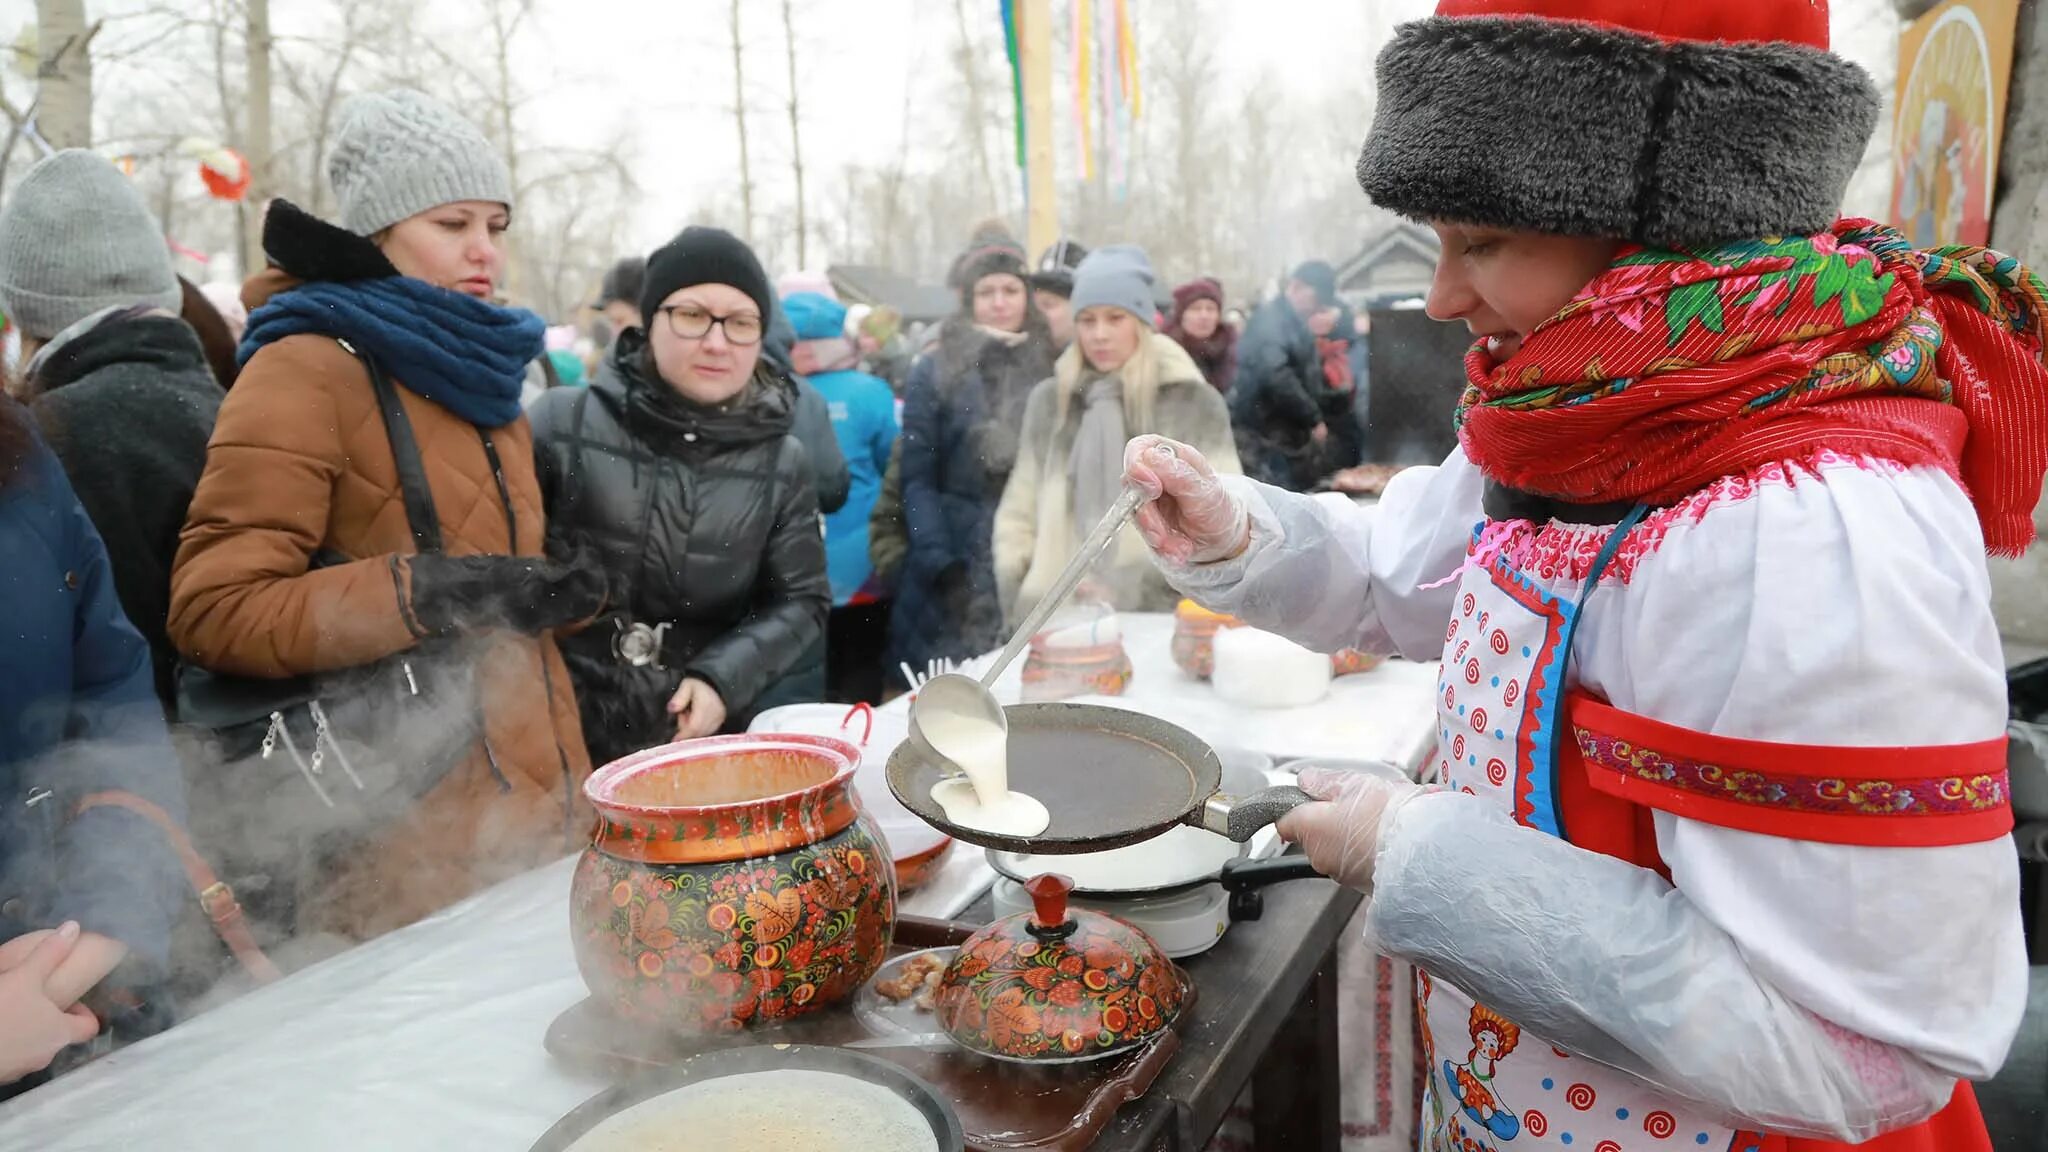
(431, 1037)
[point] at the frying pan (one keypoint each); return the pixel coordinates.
(767, 1058)
(1109, 777)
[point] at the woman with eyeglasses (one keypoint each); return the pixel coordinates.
(678, 466)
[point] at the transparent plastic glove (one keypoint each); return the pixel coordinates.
(1609, 961)
(1341, 835)
(1189, 517)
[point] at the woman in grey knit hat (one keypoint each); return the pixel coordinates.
(307, 553)
(1120, 378)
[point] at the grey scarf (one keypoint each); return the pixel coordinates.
(1096, 467)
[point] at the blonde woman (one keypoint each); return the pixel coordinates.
(1119, 379)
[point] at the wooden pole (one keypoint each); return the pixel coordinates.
(1034, 55)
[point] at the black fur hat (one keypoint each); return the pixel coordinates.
(1673, 125)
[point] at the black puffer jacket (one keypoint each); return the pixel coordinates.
(708, 522)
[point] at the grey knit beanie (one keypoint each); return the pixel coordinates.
(75, 239)
(400, 153)
(1118, 275)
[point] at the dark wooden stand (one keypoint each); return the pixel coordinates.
(1267, 1017)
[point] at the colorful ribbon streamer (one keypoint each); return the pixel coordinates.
(1011, 35)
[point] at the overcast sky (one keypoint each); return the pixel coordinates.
(668, 75)
(660, 73)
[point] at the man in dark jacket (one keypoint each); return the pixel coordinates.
(1276, 404)
(118, 382)
(78, 719)
(1052, 289)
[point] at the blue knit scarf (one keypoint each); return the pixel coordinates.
(462, 353)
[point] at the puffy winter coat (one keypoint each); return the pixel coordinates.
(864, 417)
(1275, 404)
(961, 423)
(1035, 531)
(300, 463)
(77, 716)
(128, 406)
(812, 422)
(708, 521)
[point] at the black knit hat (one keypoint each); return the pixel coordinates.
(1673, 125)
(1318, 275)
(700, 255)
(990, 251)
(623, 282)
(1056, 266)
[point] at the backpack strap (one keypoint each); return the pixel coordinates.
(405, 453)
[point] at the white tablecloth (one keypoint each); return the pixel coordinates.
(431, 1037)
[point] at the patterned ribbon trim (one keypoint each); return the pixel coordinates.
(1878, 796)
(1834, 796)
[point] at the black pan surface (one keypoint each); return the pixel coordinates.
(767, 1058)
(1108, 777)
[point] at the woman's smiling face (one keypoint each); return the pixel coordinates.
(1503, 283)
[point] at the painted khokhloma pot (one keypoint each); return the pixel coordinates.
(733, 881)
(1059, 984)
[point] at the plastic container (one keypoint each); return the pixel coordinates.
(1260, 670)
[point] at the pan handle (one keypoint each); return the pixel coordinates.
(1243, 879)
(1244, 875)
(1240, 818)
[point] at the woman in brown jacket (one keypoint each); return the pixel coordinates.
(298, 557)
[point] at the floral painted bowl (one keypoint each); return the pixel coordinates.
(732, 881)
(1194, 638)
(1061, 673)
(1059, 984)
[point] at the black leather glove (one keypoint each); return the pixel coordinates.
(528, 594)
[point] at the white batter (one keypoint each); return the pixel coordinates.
(791, 1111)
(982, 800)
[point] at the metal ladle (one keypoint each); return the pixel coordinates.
(958, 695)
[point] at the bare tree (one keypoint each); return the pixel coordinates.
(256, 147)
(739, 120)
(796, 141)
(1183, 83)
(315, 86)
(63, 74)
(975, 126)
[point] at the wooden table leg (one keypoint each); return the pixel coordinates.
(1297, 1092)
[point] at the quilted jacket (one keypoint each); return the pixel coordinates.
(708, 517)
(300, 463)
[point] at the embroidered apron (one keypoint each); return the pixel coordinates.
(1500, 708)
(1503, 733)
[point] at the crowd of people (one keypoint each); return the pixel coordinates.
(326, 622)
(338, 586)
(320, 603)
